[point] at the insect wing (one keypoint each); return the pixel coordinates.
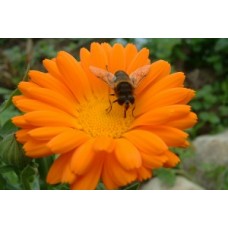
(106, 76)
(139, 74)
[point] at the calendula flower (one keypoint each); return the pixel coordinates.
(65, 114)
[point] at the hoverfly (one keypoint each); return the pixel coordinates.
(122, 84)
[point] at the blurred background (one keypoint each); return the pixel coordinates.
(205, 63)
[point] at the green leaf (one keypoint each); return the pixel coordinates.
(184, 153)
(204, 116)
(133, 186)
(100, 186)
(8, 102)
(4, 91)
(167, 176)
(2, 182)
(12, 153)
(223, 110)
(207, 89)
(213, 118)
(44, 165)
(224, 184)
(6, 168)
(57, 187)
(8, 128)
(7, 114)
(211, 98)
(221, 45)
(210, 117)
(30, 177)
(197, 105)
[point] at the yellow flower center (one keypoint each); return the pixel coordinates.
(95, 120)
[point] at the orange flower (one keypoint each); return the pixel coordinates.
(65, 114)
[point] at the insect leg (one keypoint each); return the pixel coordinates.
(133, 111)
(110, 107)
(110, 103)
(125, 109)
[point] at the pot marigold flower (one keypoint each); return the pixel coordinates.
(65, 114)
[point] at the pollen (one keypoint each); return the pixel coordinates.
(95, 120)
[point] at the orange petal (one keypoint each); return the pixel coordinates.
(90, 179)
(47, 81)
(188, 97)
(28, 105)
(57, 169)
(97, 85)
(68, 176)
(49, 118)
(107, 179)
(22, 135)
(100, 59)
(74, 77)
(24, 86)
(45, 133)
(17, 98)
(117, 174)
(167, 97)
(158, 70)
(48, 96)
(144, 173)
(162, 115)
(107, 49)
(104, 144)
(127, 154)
(171, 136)
(152, 161)
(185, 122)
(85, 57)
(168, 82)
(36, 149)
(141, 59)
(130, 53)
(67, 141)
(146, 141)
(52, 68)
(173, 159)
(20, 121)
(117, 58)
(98, 56)
(83, 158)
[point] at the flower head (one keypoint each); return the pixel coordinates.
(65, 113)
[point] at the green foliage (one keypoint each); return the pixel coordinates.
(162, 48)
(100, 186)
(30, 177)
(167, 176)
(8, 177)
(132, 186)
(211, 104)
(216, 175)
(11, 152)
